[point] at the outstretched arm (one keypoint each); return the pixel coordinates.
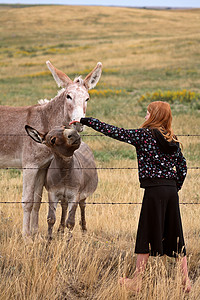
(130, 136)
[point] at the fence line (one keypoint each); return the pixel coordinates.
(100, 135)
(98, 168)
(92, 203)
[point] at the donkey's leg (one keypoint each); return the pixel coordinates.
(64, 206)
(29, 178)
(72, 206)
(51, 218)
(41, 174)
(82, 205)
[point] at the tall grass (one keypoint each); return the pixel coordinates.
(89, 266)
(141, 51)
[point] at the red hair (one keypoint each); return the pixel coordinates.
(161, 119)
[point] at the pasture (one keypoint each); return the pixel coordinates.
(141, 51)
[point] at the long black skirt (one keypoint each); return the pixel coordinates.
(160, 229)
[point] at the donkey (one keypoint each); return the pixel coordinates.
(19, 151)
(71, 177)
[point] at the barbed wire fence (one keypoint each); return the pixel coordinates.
(97, 168)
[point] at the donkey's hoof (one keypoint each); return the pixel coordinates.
(70, 226)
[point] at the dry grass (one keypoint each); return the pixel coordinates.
(141, 51)
(88, 267)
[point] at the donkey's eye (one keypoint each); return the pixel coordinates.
(53, 140)
(87, 99)
(69, 97)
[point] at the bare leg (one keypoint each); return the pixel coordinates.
(141, 263)
(134, 284)
(184, 270)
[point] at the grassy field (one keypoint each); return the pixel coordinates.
(141, 51)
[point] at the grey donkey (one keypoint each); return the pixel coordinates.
(71, 176)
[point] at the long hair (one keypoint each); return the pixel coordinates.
(161, 119)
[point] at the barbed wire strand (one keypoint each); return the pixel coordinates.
(90, 203)
(97, 168)
(98, 135)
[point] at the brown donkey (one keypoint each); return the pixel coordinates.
(17, 150)
(71, 177)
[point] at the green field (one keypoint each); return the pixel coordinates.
(146, 54)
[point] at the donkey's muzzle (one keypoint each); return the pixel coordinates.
(72, 137)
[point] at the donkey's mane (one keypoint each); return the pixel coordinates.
(44, 101)
(79, 80)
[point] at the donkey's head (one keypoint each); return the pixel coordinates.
(76, 93)
(62, 141)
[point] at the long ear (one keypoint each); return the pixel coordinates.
(93, 77)
(34, 134)
(61, 78)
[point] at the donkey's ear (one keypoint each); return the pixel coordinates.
(61, 78)
(93, 77)
(34, 134)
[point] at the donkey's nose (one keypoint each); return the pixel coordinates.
(71, 136)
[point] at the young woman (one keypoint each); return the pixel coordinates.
(162, 170)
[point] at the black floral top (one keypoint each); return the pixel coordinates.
(156, 165)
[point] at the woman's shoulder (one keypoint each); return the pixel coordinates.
(142, 134)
